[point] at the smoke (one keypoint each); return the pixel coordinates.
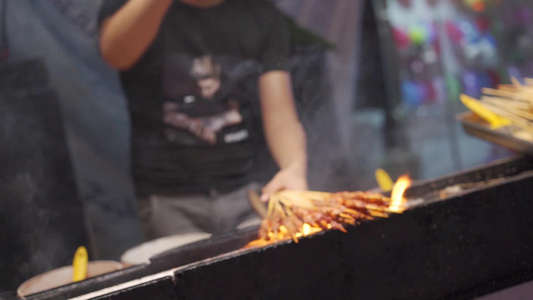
(328, 168)
(40, 215)
(27, 239)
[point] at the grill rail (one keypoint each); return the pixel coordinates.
(467, 245)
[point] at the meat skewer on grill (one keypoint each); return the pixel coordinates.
(295, 214)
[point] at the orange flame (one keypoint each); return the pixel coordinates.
(306, 229)
(398, 201)
(326, 211)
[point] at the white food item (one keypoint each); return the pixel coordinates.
(141, 254)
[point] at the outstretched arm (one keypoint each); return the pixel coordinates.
(126, 35)
(284, 133)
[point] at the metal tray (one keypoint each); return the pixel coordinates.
(475, 126)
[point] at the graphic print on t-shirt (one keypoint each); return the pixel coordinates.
(200, 109)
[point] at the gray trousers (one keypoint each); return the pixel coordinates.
(214, 213)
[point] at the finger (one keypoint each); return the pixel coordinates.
(272, 187)
(265, 197)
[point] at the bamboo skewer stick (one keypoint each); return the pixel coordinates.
(506, 87)
(529, 81)
(512, 95)
(513, 102)
(516, 83)
(520, 122)
(518, 112)
(503, 112)
(328, 205)
(505, 101)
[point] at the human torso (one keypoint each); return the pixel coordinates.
(193, 99)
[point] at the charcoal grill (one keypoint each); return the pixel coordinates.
(466, 245)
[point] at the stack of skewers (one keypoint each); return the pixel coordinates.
(295, 214)
(509, 107)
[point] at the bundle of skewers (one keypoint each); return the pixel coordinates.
(509, 106)
(295, 214)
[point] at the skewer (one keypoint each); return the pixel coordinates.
(513, 102)
(520, 122)
(525, 88)
(291, 212)
(515, 111)
(507, 87)
(511, 95)
(516, 83)
(506, 101)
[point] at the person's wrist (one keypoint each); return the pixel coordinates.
(297, 167)
(160, 2)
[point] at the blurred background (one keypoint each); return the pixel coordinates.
(376, 84)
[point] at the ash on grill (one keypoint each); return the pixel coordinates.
(453, 190)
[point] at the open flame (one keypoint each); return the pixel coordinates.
(306, 229)
(296, 214)
(398, 201)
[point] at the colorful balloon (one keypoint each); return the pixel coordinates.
(469, 30)
(424, 91)
(417, 66)
(471, 85)
(418, 34)
(411, 94)
(453, 87)
(433, 32)
(401, 39)
(454, 32)
(476, 5)
(483, 80)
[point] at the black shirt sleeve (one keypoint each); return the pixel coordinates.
(276, 41)
(108, 8)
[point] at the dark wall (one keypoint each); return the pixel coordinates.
(41, 220)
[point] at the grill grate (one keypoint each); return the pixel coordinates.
(470, 244)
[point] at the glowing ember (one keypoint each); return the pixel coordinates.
(398, 201)
(306, 229)
(296, 214)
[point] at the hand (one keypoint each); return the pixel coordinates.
(290, 178)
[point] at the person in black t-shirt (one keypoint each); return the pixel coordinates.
(186, 68)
